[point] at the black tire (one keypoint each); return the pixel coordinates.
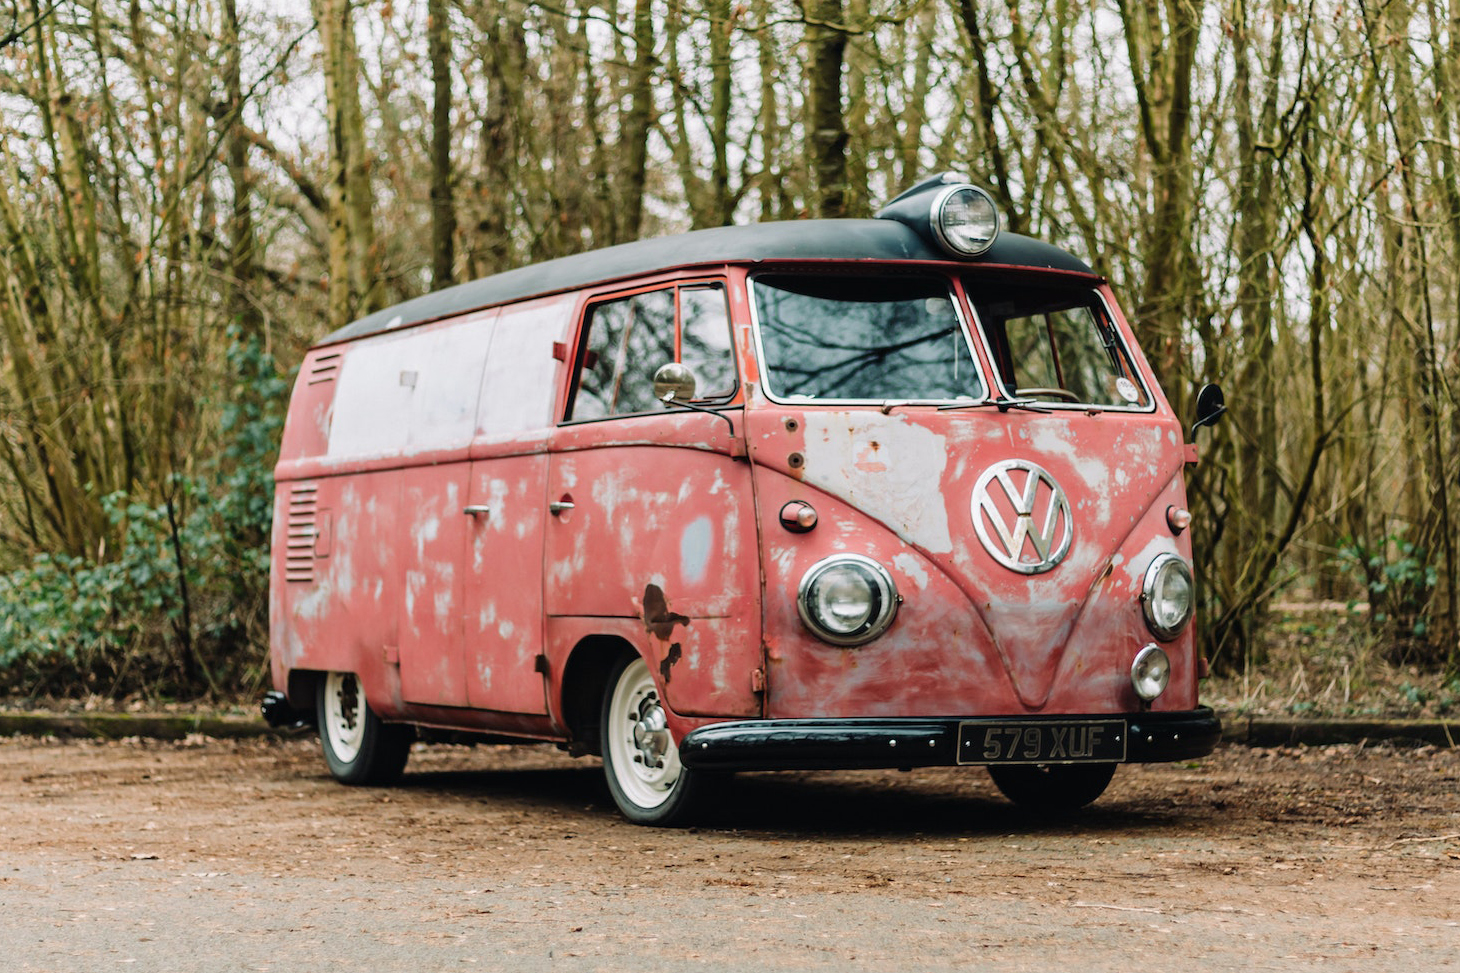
(359, 748)
(1052, 788)
(640, 758)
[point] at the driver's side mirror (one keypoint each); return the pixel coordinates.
(674, 382)
(1210, 404)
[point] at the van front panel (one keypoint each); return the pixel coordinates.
(1016, 509)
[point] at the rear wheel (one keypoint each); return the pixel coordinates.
(359, 747)
(1052, 787)
(640, 758)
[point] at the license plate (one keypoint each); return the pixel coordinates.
(1052, 742)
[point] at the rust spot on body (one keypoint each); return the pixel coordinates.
(659, 621)
(670, 658)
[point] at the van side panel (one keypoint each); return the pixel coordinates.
(304, 629)
(334, 605)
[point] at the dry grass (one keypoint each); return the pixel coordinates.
(1323, 659)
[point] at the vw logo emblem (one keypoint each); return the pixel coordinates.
(1022, 516)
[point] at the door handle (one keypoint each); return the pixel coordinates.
(476, 510)
(560, 506)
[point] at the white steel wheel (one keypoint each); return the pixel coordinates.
(640, 757)
(358, 747)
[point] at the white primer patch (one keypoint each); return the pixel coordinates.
(913, 568)
(888, 467)
(1094, 468)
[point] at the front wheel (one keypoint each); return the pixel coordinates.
(640, 758)
(1052, 788)
(359, 747)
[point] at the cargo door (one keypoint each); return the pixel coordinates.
(431, 666)
(506, 511)
(438, 371)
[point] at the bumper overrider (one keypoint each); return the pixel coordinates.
(845, 744)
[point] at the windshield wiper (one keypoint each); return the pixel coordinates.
(1003, 404)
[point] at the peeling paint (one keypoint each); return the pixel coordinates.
(913, 568)
(694, 549)
(901, 487)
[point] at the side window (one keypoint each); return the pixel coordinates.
(412, 391)
(520, 385)
(629, 338)
(1073, 352)
(705, 346)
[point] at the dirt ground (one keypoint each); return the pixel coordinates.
(244, 855)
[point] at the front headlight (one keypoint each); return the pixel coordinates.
(1167, 596)
(847, 599)
(965, 220)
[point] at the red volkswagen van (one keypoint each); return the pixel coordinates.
(890, 492)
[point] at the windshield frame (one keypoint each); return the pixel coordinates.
(972, 336)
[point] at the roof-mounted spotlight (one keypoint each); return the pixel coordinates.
(949, 211)
(965, 220)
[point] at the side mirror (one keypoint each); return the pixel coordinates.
(1210, 404)
(674, 382)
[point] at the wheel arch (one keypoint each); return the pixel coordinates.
(585, 680)
(303, 688)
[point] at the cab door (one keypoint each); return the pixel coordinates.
(651, 529)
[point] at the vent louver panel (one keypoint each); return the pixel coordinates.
(324, 369)
(302, 530)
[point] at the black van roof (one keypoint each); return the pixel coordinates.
(841, 239)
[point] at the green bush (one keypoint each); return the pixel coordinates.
(1399, 581)
(179, 609)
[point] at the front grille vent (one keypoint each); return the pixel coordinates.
(302, 530)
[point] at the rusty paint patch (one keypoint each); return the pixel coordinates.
(659, 621)
(674, 654)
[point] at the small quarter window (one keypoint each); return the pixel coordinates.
(705, 346)
(627, 340)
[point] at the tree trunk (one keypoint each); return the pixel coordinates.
(826, 39)
(242, 265)
(634, 139)
(443, 206)
(355, 286)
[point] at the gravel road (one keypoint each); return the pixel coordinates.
(243, 855)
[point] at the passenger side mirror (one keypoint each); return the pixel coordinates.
(674, 382)
(1210, 404)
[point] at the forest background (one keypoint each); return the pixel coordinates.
(193, 192)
